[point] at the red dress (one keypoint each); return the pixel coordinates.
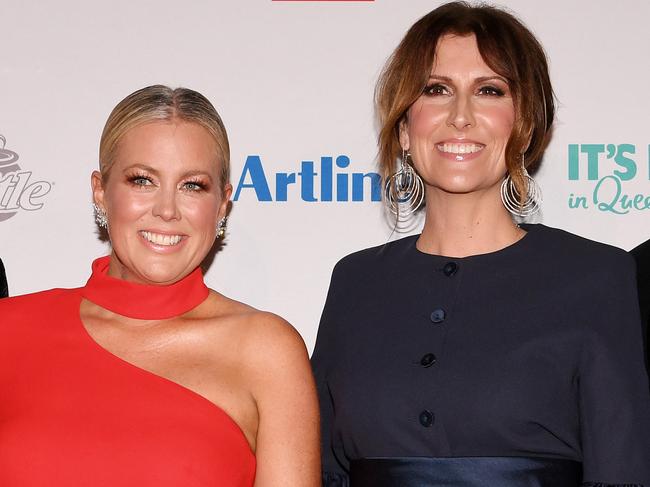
(73, 414)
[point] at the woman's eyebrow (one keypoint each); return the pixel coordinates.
(446, 79)
(197, 173)
(480, 79)
(140, 165)
(155, 172)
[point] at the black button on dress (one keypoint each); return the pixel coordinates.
(537, 351)
(450, 269)
(438, 315)
(428, 360)
(426, 418)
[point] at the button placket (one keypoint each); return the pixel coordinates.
(444, 294)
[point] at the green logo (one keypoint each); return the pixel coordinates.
(609, 167)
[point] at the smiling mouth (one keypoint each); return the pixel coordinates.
(159, 239)
(460, 148)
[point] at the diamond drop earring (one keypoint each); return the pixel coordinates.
(100, 216)
(221, 227)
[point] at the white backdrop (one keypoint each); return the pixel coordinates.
(293, 82)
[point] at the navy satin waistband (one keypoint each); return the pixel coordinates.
(464, 472)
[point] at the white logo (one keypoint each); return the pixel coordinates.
(17, 190)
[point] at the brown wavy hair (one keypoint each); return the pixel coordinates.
(507, 47)
(162, 103)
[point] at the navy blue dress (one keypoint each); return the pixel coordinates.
(533, 352)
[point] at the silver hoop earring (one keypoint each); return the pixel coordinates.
(511, 197)
(100, 216)
(404, 190)
(221, 227)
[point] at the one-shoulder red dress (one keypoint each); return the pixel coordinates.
(73, 414)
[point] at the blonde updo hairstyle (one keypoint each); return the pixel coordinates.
(506, 46)
(161, 103)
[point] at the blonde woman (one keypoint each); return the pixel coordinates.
(145, 376)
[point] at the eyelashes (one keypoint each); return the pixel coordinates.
(195, 185)
(439, 89)
(491, 90)
(139, 179)
(143, 180)
(435, 89)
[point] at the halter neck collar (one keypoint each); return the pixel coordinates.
(143, 301)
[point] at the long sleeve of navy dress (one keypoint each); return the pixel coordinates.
(531, 351)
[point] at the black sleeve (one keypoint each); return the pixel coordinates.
(613, 383)
(642, 256)
(323, 360)
(4, 289)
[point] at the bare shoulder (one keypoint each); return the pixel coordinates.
(259, 333)
(272, 368)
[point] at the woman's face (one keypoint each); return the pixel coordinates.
(163, 200)
(457, 130)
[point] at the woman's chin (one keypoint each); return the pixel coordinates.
(154, 271)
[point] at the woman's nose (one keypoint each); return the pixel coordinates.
(461, 115)
(166, 205)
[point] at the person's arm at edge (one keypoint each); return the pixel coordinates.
(283, 386)
(4, 289)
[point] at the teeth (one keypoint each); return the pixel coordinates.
(460, 148)
(158, 239)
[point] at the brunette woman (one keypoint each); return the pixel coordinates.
(481, 352)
